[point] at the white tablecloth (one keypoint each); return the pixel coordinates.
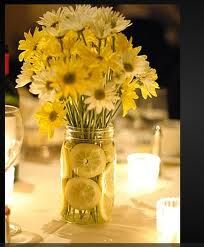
(35, 207)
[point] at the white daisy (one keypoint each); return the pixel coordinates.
(101, 97)
(26, 75)
(118, 77)
(108, 22)
(80, 17)
(42, 85)
(132, 63)
(53, 22)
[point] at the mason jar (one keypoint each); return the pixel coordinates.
(88, 159)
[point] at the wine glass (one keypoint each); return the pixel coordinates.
(14, 132)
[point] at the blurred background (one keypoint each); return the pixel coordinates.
(155, 27)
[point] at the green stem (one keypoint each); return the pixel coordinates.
(78, 115)
(72, 115)
(73, 213)
(82, 34)
(94, 124)
(68, 113)
(113, 43)
(113, 114)
(99, 46)
(104, 118)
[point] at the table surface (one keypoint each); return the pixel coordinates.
(35, 207)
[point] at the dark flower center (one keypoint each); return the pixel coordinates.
(49, 58)
(99, 57)
(48, 85)
(128, 67)
(53, 116)
(113, 23)
(35, 47)
(55, 24)
(69, 78)
(99, 94)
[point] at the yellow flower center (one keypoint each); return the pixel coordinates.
(99, 94)
(128, 67)
(53, 116)
(69, 78)
(48, 85)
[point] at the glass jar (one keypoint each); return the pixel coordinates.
(88, 159)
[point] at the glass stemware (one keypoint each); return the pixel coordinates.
(13, 141)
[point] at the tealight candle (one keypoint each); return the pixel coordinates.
(168, 220)
(143, 171)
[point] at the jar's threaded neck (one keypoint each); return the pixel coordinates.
(89, 133)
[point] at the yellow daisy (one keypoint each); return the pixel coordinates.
(122, 44)
(30, 44)
(50, 46)
(129, 95)
(51, 115)
(105, 60)
(70, 76)
(148, 84)
(70, 43)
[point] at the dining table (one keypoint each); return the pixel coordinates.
(35, 206)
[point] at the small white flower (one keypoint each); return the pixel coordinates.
(26, 75)
(102, 97)
(53, 22)
(108, 22)
(42, 85)
(80, 17)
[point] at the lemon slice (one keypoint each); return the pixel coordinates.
(66, 169)
(87, 160)
(106, 183)
(64, 203)
(82, 193)
(106, 207)
(106, 180)
(109, 149)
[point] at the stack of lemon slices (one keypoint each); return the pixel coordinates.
(92, 185)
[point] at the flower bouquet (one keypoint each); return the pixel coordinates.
(83, 69)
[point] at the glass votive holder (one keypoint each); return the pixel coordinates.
(9, 184)
(143, 172)
(168, 220)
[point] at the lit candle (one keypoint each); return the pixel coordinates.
(143, 171)
(168, 220)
